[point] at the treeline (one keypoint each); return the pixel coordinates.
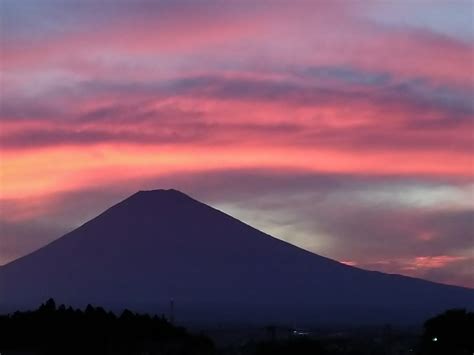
(60, 330)
(52, 330)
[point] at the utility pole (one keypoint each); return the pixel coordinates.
(172, 311)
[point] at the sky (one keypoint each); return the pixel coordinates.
(344, 127)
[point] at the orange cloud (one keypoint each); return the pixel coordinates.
(130, 93)
(431, 262)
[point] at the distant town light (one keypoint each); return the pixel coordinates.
(435, 339)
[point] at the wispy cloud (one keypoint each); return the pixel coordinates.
(343, 127)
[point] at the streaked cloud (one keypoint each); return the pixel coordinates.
(343, 127)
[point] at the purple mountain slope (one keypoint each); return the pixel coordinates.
(161, 245)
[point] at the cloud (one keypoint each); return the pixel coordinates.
(334, 125)
(210, 109)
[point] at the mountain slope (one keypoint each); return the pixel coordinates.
(161, 245)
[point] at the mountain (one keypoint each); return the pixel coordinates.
(161, 245)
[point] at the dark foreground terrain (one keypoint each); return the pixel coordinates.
(64, 330)
(61, 330)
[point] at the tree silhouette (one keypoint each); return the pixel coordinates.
(52, 330)
(449, 333)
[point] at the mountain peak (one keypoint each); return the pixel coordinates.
(153, 203)
(165, 195)
(157, 192)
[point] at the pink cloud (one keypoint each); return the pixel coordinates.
(431, 262)
(130, 93)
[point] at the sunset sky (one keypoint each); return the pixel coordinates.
(344, 127)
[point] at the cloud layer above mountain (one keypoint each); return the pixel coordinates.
(343, 127)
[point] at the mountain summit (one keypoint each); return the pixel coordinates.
(162, 244)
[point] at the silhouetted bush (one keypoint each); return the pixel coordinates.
(449, 333)
(60, 330)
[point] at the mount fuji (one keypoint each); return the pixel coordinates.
(162, 245)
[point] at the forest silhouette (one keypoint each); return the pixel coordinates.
(60, 330)
(54, 330)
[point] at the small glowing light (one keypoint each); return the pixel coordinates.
(435, 339)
